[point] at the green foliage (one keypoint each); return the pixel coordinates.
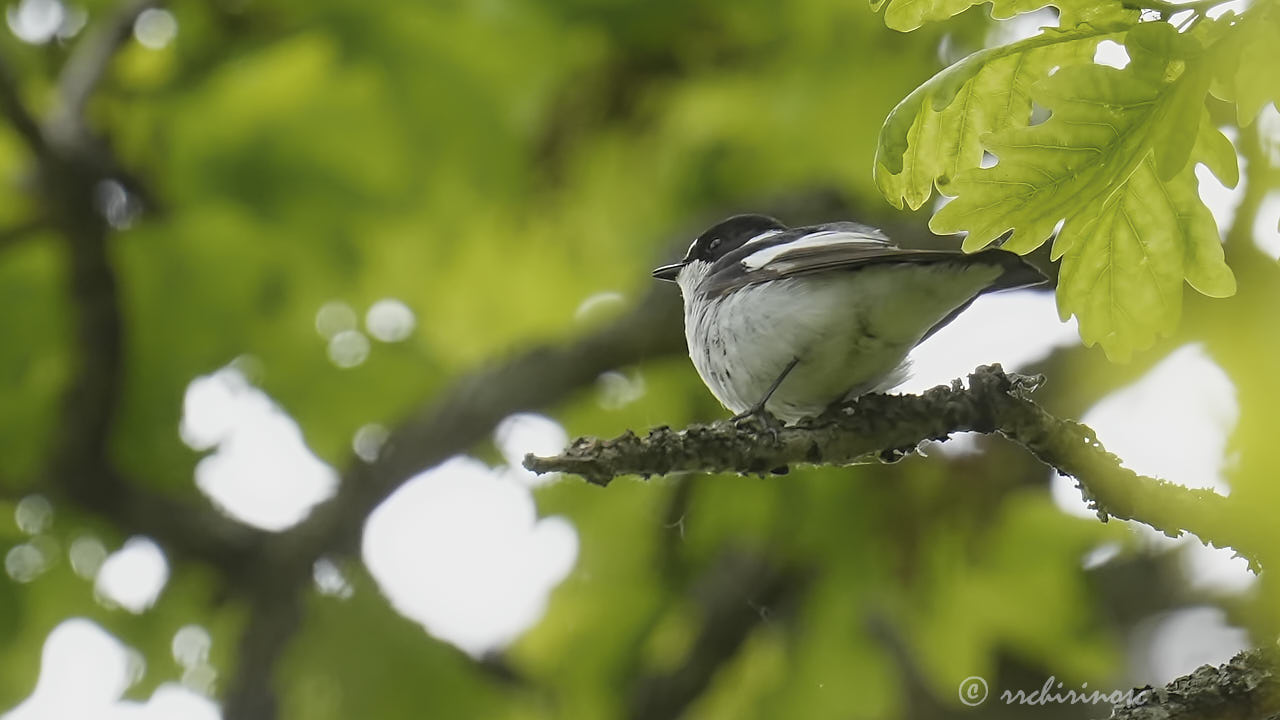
(34, 368)
(937, 130)
(906, 15)
(494, 164)
(1239, 64)
(34, 608)
(1111, 166)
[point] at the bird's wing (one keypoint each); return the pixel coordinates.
(800, 251)
(845, 246)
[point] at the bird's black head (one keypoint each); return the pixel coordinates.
(721, 239)
(728, 235)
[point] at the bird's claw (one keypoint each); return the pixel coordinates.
(761, 418)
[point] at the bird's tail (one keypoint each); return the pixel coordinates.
(1018, 273)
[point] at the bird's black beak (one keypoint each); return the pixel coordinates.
(668, 272)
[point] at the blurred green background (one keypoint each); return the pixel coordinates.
(498, 174)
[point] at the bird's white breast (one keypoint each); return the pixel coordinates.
(850, 330)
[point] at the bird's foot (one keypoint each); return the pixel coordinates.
(757, 417)
(759, 414)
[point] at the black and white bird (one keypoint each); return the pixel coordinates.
(793, 320)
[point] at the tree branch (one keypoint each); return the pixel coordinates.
(87, 65)
(275, 614)
(1245, 688)
(79, 467)
(886, 427)
(462, 417)
(469, 410)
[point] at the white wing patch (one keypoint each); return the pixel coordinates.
(822, 238)
(762, 236)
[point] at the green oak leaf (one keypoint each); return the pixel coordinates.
(1163, 56)
(1103, 124)
(1123, 276)
(936, 131)
(1094, 140)
(907, 15)
(1096, 13)
(1216, 152)
(1112, 165)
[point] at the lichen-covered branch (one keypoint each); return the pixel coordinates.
(1247, 687)
(885, 427)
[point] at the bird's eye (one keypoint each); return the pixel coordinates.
(714, 244)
